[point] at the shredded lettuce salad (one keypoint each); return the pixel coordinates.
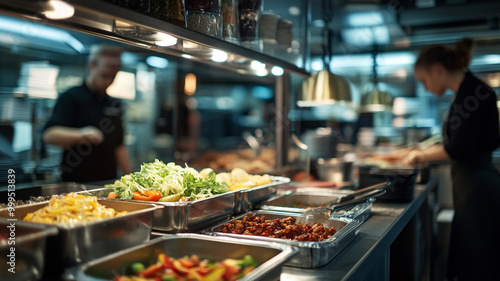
(173, 181)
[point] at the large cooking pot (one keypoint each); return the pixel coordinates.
(334, 170)
(322, 143)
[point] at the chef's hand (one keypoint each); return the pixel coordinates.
(416, 157)
(396, 156)
(91, 134)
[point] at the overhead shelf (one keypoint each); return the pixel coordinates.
(116, 23)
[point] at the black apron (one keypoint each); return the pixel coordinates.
(475, 234)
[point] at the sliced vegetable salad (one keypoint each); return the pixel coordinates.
(169, 182)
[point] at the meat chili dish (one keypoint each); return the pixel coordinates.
(286, 228)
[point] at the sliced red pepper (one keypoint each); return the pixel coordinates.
(187, 263)
(112, 195)
(180, 268)
(147, 195)
(165, 261)
(151, 270)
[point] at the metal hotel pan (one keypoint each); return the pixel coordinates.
(30, 241)
(24, 193)
(292, 201)
(270, 256)
(174, 217)
(88, 241)
(247, 199)
(178, 217)
(311, 254)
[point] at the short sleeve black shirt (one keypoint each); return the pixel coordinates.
(78, 108)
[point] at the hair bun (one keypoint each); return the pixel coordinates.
(463, 50)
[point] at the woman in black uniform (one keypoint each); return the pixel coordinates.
(470, 134)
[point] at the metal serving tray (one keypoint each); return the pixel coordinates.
(270, 256)
(189, 216)
(29, 249)
(247, 199)
(293, 200)
(24, 193)
(311, 254)
(88, 241)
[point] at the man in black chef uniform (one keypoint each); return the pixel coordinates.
(87, 123)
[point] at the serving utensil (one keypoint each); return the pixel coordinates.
(304, 147)
(321, 214)
(358, 192)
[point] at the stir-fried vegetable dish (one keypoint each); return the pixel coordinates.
(190, 268)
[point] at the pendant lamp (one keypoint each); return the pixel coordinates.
(376, 100)
(324, 87)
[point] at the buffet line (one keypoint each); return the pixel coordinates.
(168, 222)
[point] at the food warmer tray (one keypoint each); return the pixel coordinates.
(271, 256)
(247, 199)
(292, 201)
(24, 193)
(175, 217)
(311, 254)
(30, 247)
(192, 216)
(87, 241)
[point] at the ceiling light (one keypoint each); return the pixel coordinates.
(58, 10)
(157, 62)
(365, 19)
(257, 65)
(376, 101)
(277, 71)
(190, 84)
(165, 40)
(219, 56)
(324, 88)
(36, 33)
(294, 10)
(486, 59)
(262, 72)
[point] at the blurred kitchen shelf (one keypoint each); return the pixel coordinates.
(116, 23)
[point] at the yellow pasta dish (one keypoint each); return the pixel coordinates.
(72, 209)
(239, 179)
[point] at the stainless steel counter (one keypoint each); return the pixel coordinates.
(395, 234)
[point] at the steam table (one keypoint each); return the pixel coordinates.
(395, 243)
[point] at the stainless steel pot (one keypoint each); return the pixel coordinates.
(334, 170)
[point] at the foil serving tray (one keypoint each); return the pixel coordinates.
(310, 254)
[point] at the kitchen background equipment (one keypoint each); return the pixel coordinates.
(322, 142)
(305, 148)
(402, 182)
(335, 170)
(318, 215)
(270, 256)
